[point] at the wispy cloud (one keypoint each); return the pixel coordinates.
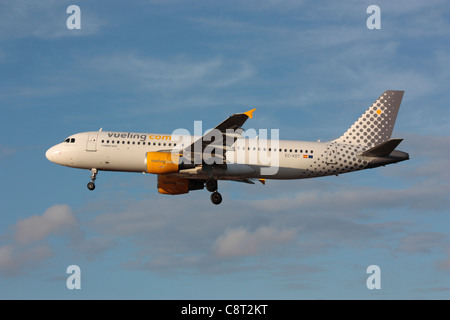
(241, 242)
(445, 264)
(6, 151)
(171, 74)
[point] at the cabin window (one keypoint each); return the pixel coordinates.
(295, 151)
(290, 150)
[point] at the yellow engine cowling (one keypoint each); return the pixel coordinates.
(174, 185)
(162, 162)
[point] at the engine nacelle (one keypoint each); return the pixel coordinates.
(174, 185)
(163, 162)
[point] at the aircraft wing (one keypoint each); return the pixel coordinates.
(212, 146)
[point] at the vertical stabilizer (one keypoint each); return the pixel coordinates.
(376, 124)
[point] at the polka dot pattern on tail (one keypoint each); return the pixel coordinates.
(376, 124)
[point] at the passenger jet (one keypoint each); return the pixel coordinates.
(187, 162)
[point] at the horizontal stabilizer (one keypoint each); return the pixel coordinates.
(383, 149)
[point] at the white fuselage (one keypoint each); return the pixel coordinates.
(249, 158)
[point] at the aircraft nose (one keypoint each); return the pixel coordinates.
(52, 154)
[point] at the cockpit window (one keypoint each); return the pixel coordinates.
(69, 140)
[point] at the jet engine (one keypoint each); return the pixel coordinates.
(162, 162)
(175, 185)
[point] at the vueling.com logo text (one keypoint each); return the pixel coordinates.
(141, 137)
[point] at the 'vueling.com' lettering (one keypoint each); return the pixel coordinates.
(141, 137)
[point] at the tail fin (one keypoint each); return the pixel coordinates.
(376, 124)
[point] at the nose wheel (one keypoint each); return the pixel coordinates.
(91, 185)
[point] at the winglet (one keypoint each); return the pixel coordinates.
(249, 113)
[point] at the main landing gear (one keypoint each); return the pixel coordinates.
(91, 185)
(211, 186)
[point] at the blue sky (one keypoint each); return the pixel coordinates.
(310, 69)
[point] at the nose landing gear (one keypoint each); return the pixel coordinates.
(91, 185)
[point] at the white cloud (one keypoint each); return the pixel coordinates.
(28, 245)
(35, 228)
(240, 242)
(27, 248)
(14, 259)
(6, 258)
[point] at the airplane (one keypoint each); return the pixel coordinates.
(187, 162)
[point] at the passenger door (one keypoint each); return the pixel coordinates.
(92, 142)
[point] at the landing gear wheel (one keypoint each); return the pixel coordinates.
(91, 185)
(211, 185)
(216, 198)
